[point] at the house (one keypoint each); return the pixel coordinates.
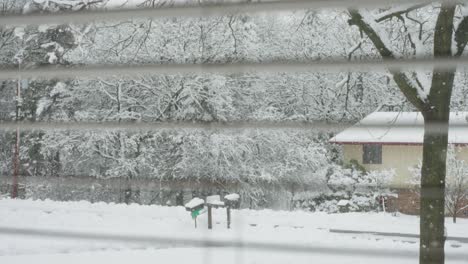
(393, 140)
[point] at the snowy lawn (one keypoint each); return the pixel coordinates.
(266, 226)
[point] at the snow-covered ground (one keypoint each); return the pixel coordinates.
(266, 226)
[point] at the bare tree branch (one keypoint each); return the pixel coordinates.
(402, 80)
(461, 36)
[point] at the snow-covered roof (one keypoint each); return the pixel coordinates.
(214, 200)
(194, 203)
(399, 128)
(232, 197)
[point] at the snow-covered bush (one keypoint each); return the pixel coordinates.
(360, 188)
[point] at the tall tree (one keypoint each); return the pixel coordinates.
(430, 97)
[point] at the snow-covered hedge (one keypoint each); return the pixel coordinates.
(360, 188)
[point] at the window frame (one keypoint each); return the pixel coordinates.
(372, 154)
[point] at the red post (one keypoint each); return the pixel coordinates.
(14, 192)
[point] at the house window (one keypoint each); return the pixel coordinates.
(372, 154)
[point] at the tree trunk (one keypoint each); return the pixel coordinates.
(128, 195)
(56, 165)
(433, 171)
(436, 116)
(136, 195)
(453, 210)
(128, 191)
(432, 237)
(180, 199)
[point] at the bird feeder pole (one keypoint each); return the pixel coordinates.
(228, 212)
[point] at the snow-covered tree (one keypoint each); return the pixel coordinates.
(418, 31)
(456, 197)
(257, 161)
(456, 184)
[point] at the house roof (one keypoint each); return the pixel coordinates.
(399, 128)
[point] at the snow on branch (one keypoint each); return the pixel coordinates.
(397, 11)
(423, 83)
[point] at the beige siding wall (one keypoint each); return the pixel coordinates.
(398, 157)
(462, 153)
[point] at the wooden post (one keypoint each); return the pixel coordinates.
(195, 222)
(210, 220)
(228, 211)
